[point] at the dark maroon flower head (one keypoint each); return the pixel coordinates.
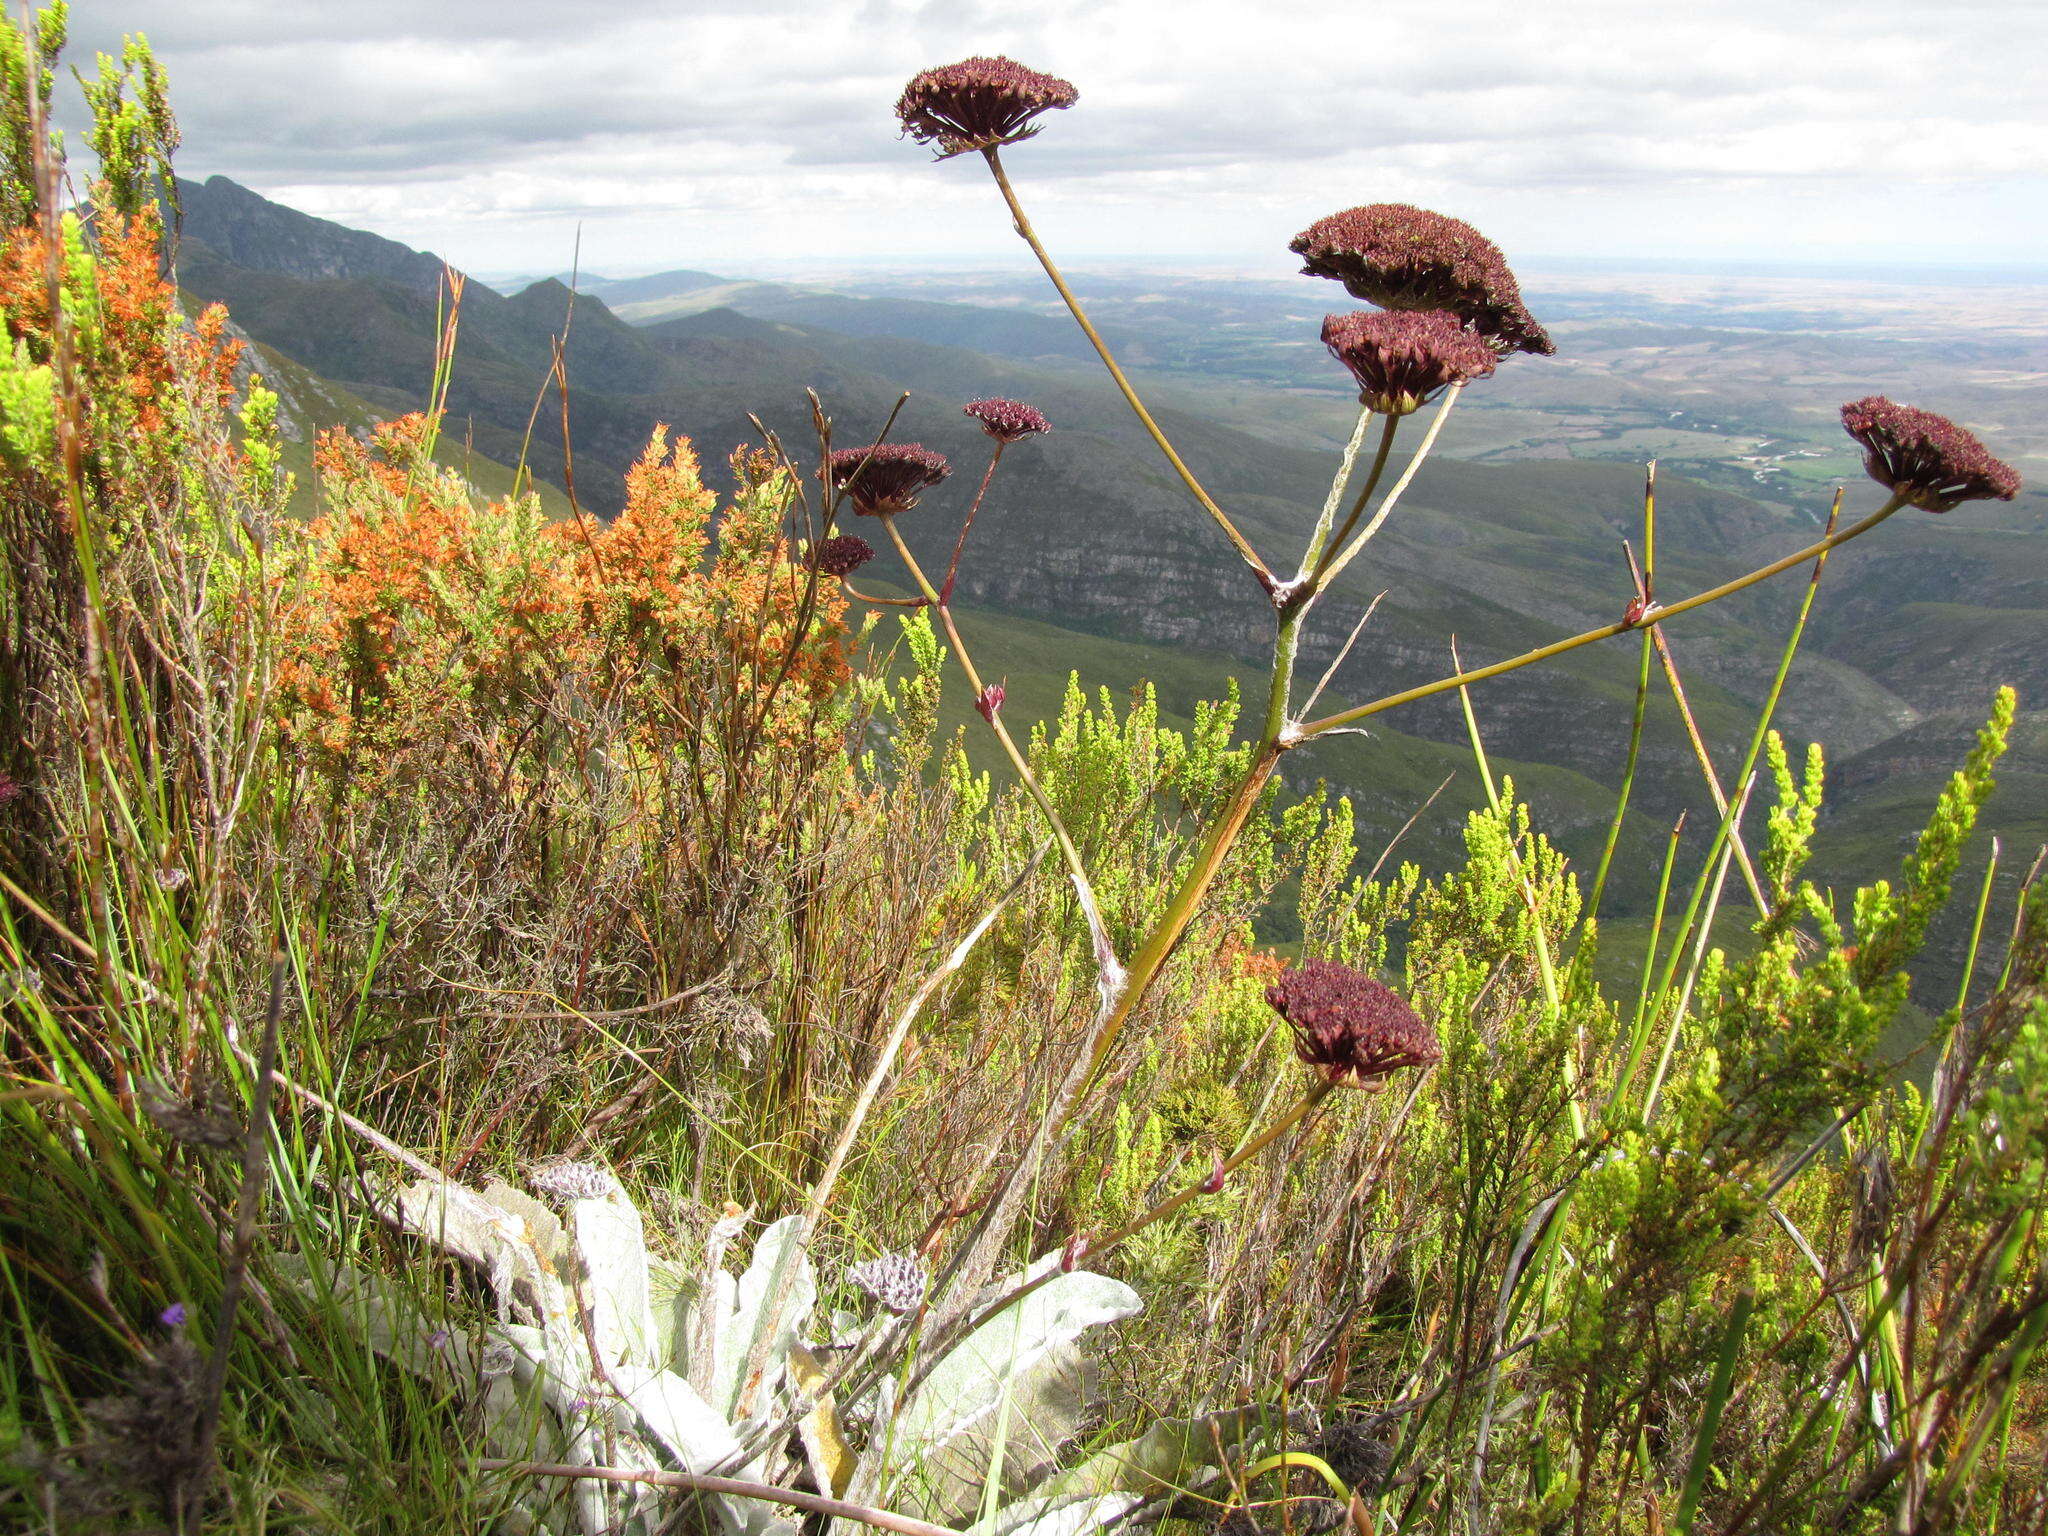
(979, 103)
(842, 555)
(1354, 1028)
(1402, 358)
(10, 787)
(1007, 421)
(1402, 257)
(887, 478)
(1929, 460)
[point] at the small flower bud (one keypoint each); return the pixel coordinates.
(1213, 1184)
(1070, 1256)
(989, 701)
(843, 555)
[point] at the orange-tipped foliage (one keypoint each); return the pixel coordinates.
(143, 376)
(430, 626)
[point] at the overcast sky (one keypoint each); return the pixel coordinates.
(726, 134)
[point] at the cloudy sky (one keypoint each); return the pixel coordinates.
(733, 134)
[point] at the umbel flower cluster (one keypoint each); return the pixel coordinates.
(1354, 1028)
(1402, 359)
(1007, 421)
(1925, 459)
(842, 554)
(978, 104)
(1402, 257)
(886, 478)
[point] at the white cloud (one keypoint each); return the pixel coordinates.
(702, 133)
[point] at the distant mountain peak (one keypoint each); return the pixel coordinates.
(252, 231)
(549, 290)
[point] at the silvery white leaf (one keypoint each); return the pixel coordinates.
(672, 1413)
(997, 1357)
(671, 1294)
(780, 1246)
(611, 1248)
(543, 1226)
(697, 1438)
(705, 1328)
(461, 1222)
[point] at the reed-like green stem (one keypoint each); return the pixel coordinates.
(1719, 1391)
(1646, 592)
(1628, 782)
(1553, 1001)
(1084, 889)
(1639, 1029)
(960, 544)
(1705, 759)
(1217, 515)
(1604, 632)
(1731, 823)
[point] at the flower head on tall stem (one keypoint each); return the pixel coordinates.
(978, 104)
(887, 478)
(1007, 421)
(842, 554)
(1354, 1028)
(1402, 257)
(1402, 359)
(1925, 459)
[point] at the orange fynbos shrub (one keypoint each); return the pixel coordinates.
(429, 623)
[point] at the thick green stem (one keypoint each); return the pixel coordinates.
(1180, 911)
(1286, 644)
(1604, 632)
(1221, 518)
